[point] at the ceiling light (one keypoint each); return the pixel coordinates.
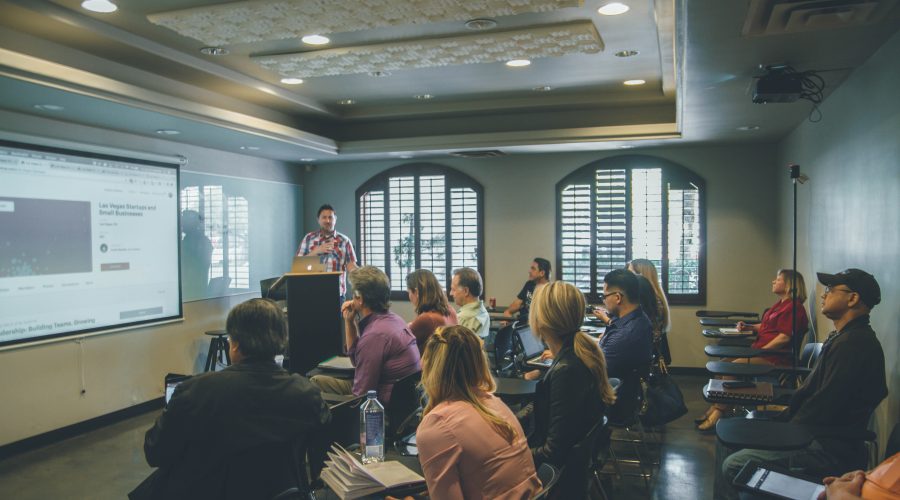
(315, 40)
(250, 148)
(423, 97)
(518, 63)
(613, 9)
(625, 146)
(543, 88)
(307, 160)
(214, 51)
(748, 128)
(481, 24)
(292, 81)
(406, 157)
(101, 6)
(167, 131)
(346, 102)
(380, 74)
(627, 53)
(49, 107)
(634, 82)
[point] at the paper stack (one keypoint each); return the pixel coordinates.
(349, 478)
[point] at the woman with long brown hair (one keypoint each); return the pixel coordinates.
(470, 443)
(432, 307)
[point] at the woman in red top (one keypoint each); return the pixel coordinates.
(432, 308)
(773, 332)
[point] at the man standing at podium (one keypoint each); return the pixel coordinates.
(336, 248)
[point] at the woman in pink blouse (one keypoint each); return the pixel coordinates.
(470, 444)
(432, 307)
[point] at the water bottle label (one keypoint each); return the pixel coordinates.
(374, 430)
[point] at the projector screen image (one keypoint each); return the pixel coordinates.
(87, 243)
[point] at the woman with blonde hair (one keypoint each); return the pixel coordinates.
(645, 268)
(470, 444)
(574, 393)
(432, 307)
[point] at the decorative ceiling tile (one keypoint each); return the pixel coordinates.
(256, 21)
(533, 43)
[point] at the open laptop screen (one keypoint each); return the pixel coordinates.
(530, 344)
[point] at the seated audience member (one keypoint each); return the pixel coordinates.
(774, 332)
(466, 289)
(214, 418)
(470, 444)
(881, 483)
(844, 388)
(379, 343)
(538, 274)
(432, 308)
(574, 393)
(661, 321)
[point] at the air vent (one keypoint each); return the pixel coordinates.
(779, 17)
(485, 153)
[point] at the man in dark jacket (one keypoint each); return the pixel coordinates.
(845, 386)
(241, 431)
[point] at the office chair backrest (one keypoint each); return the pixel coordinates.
(267, 471)
(549, 476)
(344, 427)
(585, 457)
(503, 350)
(266, 293)
(810, 354)
(403, 405)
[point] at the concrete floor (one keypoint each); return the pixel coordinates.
(109, 462)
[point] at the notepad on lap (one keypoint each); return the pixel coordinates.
(762, 392)
(732, 331)
(349, 478)
(337, 363)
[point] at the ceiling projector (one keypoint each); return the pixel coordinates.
(778, 85)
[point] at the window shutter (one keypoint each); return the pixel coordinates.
(463, 228)
(576, 236)
(647, 215)
(371, 228)
(684, 239)
(403, 238)
(611, 222)
(433, 225)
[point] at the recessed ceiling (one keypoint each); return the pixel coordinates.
(144, 62)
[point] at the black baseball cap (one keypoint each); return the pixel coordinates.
(857, 280)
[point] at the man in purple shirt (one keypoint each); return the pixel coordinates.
(379, 343)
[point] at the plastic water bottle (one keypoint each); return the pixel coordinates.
(371, 429)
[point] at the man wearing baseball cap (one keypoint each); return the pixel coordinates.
(846, 385)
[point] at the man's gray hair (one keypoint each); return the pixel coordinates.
(373, 286)
(470, 279)
(258, 328)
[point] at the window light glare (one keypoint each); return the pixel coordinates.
(167, 131)
(292, 81)
(518, 63)
(613, 9)
(634, 82)
(315, 40)
(101, 6)
(49, 107)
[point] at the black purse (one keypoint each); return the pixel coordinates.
(663, 401)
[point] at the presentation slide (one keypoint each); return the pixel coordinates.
(87, 242)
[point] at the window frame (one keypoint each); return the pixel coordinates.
(671, 171)
(452, 179)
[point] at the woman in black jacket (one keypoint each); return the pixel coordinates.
(572, 396)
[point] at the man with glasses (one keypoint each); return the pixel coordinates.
(846, 384)
(628, 341)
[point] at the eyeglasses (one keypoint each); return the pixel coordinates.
(605, 295)
(828, 290)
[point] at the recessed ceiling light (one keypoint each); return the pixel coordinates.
(627, 53)
(307, 160)
(380, 74)
(518, 63)
(292, 81)
(250, 148)
(542, 88)
(49, 107)
(214, 51)
(346, 102)
(423, 97)
(406, 157)
(481, 24)
(168, 131)
(101, 6)
(315, 40)
(634, 82)
(748, 128)
(625, 146)
(613, 9)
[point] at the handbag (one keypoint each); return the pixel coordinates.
(664, 401)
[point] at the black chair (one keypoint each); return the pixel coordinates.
(266, 292)
(344, 427)
(403, 407)
(581, 470)
(549, 476)
(271, 471)
(624, 415)
(504, 363)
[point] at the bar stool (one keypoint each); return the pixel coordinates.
(218, 350)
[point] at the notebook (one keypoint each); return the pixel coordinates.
(349, 478)
(341, 363)
(762, 392)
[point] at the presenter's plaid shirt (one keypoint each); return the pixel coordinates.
(337, 260)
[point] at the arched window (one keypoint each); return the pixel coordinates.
(618, 209)
(421, 216)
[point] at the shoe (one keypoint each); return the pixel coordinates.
(702, 418)
(710, 421)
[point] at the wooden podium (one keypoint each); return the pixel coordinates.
(314, 318)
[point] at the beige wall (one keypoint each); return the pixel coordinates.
(520, 210)
(849, 211)
(42, 384)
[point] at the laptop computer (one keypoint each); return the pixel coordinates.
(532, 348)
(171, 381)
(309, 264)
